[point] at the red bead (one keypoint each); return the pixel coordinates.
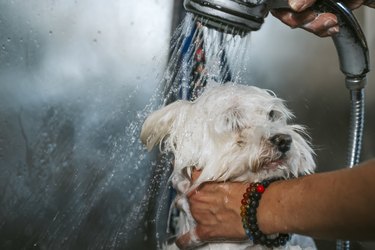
(260, 189)
(244, 201)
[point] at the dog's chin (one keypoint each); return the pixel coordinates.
(274, 165)
(270, 165)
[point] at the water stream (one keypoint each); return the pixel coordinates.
(223, 61)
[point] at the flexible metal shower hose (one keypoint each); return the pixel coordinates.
(357, 117)
(356, 126)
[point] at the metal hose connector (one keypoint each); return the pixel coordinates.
(357, 98)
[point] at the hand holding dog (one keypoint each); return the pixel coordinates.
(332, 205)
(213, 205)
(322, 24)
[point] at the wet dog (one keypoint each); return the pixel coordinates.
(231, 132)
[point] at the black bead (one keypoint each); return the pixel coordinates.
(254, 227)
(257, 234)
(255, 196)
(284, 236)
(254, 204)
(266, 183)
(282, 241)
(276, 242)
(269, 243)
(252, 219)
(252, 211)
(263, 239)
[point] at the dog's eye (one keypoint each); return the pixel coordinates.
(274, 115)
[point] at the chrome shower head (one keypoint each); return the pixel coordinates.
(230, 16)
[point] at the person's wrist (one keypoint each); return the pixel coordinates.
(267, 221)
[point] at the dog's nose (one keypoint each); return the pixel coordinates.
(282, 142)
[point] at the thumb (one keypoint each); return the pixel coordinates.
(188, 240)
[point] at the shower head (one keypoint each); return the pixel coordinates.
(243, 16)
(233, 16)
(350, 42)
(237, 17)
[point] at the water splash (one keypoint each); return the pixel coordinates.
(224, 56)
(224, 61)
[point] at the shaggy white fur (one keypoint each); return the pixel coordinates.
(231, 132)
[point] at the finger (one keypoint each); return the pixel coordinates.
(188, 240)
(294, 19)
(300, 5)
(330, 32)
(324, 24)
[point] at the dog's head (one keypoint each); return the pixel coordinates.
(231, 132)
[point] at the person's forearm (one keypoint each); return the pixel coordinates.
(331, 205)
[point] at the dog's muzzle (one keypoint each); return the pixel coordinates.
(282, 142)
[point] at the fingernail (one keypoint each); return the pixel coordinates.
(330, 23)
(333, 30)
(298, 5)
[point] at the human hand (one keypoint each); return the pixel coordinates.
(216, 210)
(302, 16)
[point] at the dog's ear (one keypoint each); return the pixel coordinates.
(232, 119)
(158, 124)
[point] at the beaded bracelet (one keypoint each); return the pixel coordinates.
(249, 207)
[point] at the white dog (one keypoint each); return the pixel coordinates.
(231, 132)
